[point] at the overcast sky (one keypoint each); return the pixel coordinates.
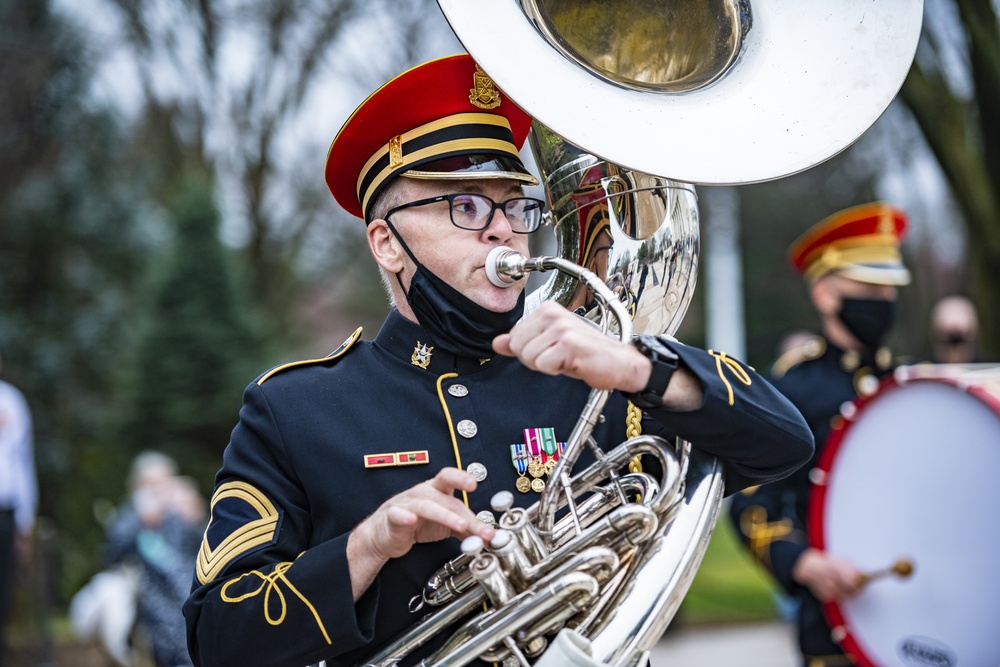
(911, 178)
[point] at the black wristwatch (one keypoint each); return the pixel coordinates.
(665, 362)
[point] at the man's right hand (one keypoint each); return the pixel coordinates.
(829, 578)
(427, 512)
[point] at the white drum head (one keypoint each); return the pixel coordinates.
(913, 475)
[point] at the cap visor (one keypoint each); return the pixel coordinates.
(877, 275)
(466, 167)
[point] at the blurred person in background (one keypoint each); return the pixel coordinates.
(954, 331)
(18, 495)
(853, 268)
(159, 528)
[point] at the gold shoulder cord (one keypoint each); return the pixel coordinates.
(633, 420)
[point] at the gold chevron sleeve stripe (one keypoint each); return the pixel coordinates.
(211, 563)
(260, 531)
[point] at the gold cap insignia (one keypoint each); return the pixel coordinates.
(485, 95)
(887, 224)
(396, 151)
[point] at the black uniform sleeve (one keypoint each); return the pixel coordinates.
(743, 420)
(262, 595)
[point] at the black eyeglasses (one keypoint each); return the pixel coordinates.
(474, 212)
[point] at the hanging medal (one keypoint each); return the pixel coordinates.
(550, 450)
(532, 438)
(519, 457)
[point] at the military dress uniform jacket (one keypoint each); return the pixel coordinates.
(772, 519)
(272, 585)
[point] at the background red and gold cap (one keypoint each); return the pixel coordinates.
(442, 119)
(861, 243)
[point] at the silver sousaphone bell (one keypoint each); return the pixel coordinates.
(634, 100)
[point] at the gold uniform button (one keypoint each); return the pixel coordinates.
(467, 428)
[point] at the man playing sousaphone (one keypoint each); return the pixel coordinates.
(347, 478)
(853, 268)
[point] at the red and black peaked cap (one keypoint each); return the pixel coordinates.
(861, 243)
(442, 119)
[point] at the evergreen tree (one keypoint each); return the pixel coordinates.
(70, 250)
(195, 349)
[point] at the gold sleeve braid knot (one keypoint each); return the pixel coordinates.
(268, 585)
(723, 361)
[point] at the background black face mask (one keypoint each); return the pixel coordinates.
(869, 320)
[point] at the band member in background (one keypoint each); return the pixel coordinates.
(347, 478)
(853, 268)
(954, 331)
(18, 496)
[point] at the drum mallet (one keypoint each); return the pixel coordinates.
(903, 567)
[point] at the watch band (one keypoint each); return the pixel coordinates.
(665, 362)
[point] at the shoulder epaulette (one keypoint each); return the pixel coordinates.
(812, 347)
(336, 354)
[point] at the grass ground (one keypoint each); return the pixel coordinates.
(729, 586)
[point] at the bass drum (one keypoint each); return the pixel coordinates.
(909, 476)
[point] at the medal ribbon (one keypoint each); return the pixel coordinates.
(549, 445)
(519, 456)
(533, 438)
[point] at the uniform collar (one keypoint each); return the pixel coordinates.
(410, 343)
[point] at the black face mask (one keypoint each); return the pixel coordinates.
(869, 320)
(454, 322)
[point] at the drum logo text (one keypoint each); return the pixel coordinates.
(919, 651)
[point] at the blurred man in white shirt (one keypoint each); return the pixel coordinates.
(18, 494)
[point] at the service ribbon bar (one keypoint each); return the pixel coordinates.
(393, 459)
